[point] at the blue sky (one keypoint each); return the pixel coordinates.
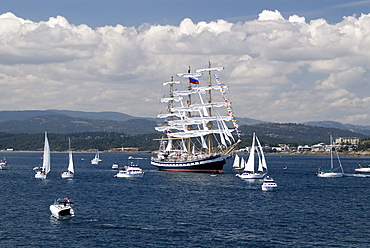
(285, 61)
(97, 13)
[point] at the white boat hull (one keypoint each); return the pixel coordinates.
(136, 175)
(40, 175)
(329, 174)
(363, 170)
(95, 161)
(67, 174)
(62, 212)
(247, 175)
(115, 166)
(269, 186)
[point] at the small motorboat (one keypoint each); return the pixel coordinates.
(132, 170)
(62, 209)
(363, 169)
(269, 184)
(4, 164)
(115, 166)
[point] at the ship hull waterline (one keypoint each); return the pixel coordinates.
(209, 165)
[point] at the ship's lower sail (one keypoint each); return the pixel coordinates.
(212, 164)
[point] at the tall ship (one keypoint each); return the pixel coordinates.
(198, 134)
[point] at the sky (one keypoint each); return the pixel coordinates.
(285, 61)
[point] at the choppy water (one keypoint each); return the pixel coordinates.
(172, 209)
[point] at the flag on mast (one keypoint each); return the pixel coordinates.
(193, 80)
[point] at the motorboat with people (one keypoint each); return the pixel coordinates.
(363, 169)
(269, 184)
(115, 166)
(62, 208)
(4, 164)
(132, 170)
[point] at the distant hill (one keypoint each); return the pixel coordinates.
(333, 124)
(26, 114)
(66, 121)
(275, 133)
(67, 124)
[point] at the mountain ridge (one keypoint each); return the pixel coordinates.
(79, 121)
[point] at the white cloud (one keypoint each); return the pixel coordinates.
(283, 70)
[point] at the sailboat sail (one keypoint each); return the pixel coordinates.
(70, 164)
(262, 165)
(250, 163)
(236, 164)
(46, 158)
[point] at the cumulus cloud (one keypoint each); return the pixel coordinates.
(282, 70)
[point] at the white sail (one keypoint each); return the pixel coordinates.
(263, 164)
(187, 75)
(46, 158)
(236, 163)
(249, 166)
(171, 82)
(210, 69)
(242, 163)
(169, 146)
(70, 164)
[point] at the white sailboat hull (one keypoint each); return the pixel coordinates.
(40, 175)
(67, 174)
(247, 175)
(95, 161)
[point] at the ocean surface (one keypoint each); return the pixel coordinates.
(174, 209)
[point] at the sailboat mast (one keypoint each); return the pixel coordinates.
(331, 152)
(209, 124)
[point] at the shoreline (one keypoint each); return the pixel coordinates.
(346, 153)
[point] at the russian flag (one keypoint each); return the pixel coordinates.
(193, 80)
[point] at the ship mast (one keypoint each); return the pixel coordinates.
(209, 124)
(189, 113)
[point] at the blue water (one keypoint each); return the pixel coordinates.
(173, 209)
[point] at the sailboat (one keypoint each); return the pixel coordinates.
(96, 159)
(70, 170)
(332, 172)
(239, 163)
(250, 170)
(195, 135)
(45, 169)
